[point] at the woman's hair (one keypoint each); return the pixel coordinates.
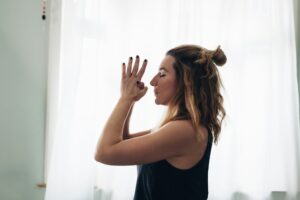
(198, 96)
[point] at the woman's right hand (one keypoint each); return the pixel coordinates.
(131, 86)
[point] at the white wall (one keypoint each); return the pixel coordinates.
(297, 27)
(23, 40)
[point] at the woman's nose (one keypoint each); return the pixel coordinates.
(153, 81)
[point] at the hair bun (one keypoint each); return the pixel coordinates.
(219, 57)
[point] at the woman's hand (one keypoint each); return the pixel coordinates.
(131, 86)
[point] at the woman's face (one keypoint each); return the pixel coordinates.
(164, 82)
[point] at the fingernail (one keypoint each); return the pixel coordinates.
(130, 58)
(145, 60)
(137, 57)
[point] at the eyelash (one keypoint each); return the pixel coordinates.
(161, 74)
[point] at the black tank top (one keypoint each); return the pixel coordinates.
(162, 181)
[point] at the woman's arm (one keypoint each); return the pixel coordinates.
(172, 140)
(126, 134)
(138, 134)
(132, 89)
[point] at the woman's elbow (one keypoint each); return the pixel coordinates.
(101, 157)
(97, 157)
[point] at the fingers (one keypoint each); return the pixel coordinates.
(143, 91)
(129, 67)
(140, 85)
(123, 71)
(135, 72)
(136, 66)
(142, 70)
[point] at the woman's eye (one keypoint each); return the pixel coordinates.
(161, 74)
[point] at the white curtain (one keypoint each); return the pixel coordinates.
(258, 154)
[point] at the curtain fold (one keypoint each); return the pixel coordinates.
(258, 155)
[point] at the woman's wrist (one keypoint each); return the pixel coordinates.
(127, 99)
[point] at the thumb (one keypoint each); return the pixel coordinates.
(141, 93)
(141, 85)
(144, 90)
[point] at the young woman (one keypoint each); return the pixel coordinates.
(173, 159)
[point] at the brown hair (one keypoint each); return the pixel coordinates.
(198, 96)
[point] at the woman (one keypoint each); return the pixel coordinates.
(175, 158)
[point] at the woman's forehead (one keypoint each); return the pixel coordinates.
(167, 63)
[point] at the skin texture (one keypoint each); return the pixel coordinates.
(164, 82)
(171, 140)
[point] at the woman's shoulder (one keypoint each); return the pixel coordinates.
(186, 127)
(184, 123)
(180, 127)
(192, 148)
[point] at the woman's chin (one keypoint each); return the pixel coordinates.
(156, 102)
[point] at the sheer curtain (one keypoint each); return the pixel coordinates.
(258, 153)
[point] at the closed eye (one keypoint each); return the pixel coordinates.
(161, 73)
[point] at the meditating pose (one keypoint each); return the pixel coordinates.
(174, 158)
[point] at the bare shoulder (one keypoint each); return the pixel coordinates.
(187, 126)
(184, 132)
(183, 129)
(181, 126)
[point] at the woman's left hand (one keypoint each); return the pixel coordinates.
(131, 86)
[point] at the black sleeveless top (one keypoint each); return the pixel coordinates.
(162, 181)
